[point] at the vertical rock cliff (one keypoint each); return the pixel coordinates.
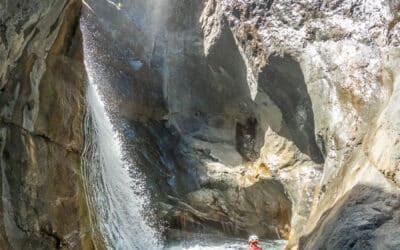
(279, 118)
(294, 97)
(41, 110)
(339, 109)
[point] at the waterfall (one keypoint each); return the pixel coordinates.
(114, 188)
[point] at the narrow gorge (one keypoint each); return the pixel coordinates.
(192, 124)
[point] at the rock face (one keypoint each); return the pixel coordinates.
(297, 93)
(41, 110)
(347, 52)
(261, 116)
(279, 118)
(196, 144)
(361, 219)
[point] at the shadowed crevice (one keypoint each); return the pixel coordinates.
(365, 218)
(283, 81)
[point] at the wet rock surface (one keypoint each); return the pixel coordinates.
(279, 118)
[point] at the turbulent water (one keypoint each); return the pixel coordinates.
(207, 242)
(114, 187)
(229, 245)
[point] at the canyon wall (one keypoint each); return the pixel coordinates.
(295, 97)
(347, 52)
(41, 111)
(279, 118)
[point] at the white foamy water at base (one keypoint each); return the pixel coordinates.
(208, 242)
(226, 246)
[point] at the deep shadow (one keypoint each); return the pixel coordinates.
(365, 218)
(246, 139)
(283, 81)
(209, 90)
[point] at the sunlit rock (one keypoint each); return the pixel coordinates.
(279, 118)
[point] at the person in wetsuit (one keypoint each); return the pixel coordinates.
(253, 243)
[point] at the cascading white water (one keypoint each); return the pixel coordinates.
(115, 192)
